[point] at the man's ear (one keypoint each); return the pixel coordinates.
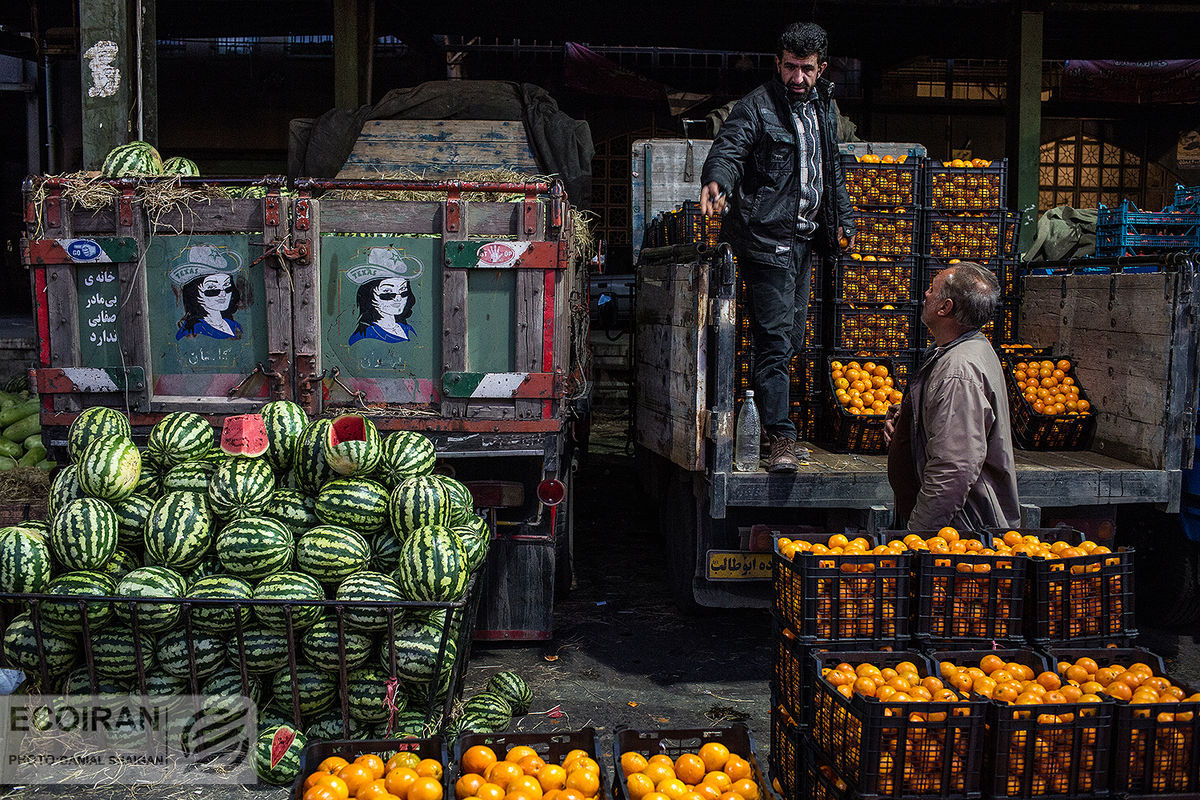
(821, 68)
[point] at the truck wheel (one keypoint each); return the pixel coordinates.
(564, 540)
(679, 522)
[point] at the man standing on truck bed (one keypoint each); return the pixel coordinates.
(776, 161)
(950, 456)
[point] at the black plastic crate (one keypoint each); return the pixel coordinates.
(1005, 270)
(1081, 601)
(786, 760)
(949, 188)
(678, 741)
(1011, 234)
(874, 185)
(966, 600)
(887, 233)
(899, 750)
(870, 327)
(317, 750)
(1156, 746)
(687, 225)
(551, 747)
(902, 363)
(821, 781)
(805, 379)
(970, 236)
(856, 601)
(861, 432)
(1039, 431)
(1007, 323)
(886, 280)
(807, 416)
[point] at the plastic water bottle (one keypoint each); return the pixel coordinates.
(747, 436)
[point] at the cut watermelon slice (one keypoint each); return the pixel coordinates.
(353, 445)
(244, 435)
(281, 742)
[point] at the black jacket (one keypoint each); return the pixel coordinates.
(755, 160)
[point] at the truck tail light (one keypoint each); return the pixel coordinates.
(551, 491)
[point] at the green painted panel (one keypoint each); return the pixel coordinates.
(491, 320)
(208, 323)
(381, 314)
(99, 292)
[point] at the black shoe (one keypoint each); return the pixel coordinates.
(782, 457)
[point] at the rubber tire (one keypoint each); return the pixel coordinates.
(680, 524)
(564, 540)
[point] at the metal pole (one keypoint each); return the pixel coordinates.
(51, 129)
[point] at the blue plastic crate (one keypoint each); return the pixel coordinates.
(1187, 199)
(1126, 231)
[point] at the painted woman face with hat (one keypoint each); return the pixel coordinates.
(209, 291)
(385, 300)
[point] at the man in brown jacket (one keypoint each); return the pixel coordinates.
(950, 458)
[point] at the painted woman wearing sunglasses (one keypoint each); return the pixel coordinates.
(208, 305)
(384, 306)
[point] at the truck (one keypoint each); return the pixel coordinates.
(485, 280)
(1132, 335)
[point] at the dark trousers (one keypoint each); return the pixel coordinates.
(778, 306)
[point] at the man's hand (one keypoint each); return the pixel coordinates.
(845, 242)
(712, 200)
(889, 423)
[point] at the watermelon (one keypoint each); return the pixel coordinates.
(289, 590)
(265, 652)
(462, 504)
(369, 697)
(417, 502)
(513, 688)
(176, 650)
(97, 422)
(329, 726)
(21, 650)
(241, 487)
(132, 513)
(244, 435)
(150, 480)
(209, 565)
(492, 707)
(284, 422)
(277, 754)
(178, 165)
(416, 641)
(356, 503)
(315, 689)
(63, 489)
(293, 508)
(352, 445)
(25, 564)
(190, 476)
(475, 542)
(83, 534)
(160, 683)
(109, 468)
(272, 716)
(310, 468)
(222, 618)
(115, 652)
(404, 454)
(255, 547)
(433, 565)
(407, 725)
(331, 553)
(151, 582)
(178, 530)
(78, 683)
(178, 437)
(320, 646)
(119, 565)
(66, 616)
(133, 159)
(227, 682)
(385, 551)
(368, 587)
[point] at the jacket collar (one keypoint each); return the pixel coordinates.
(823, 88)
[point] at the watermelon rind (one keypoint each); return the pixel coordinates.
(328, 726)
(176, 649)
(416, 640)
(240, 487)
(320, 646)
(178, 437)
(96, 422)
(385, 552)
(137, 158)
(58, 651)
(367, 695)
(178, 165)
(265, 652)
(190, 476)
(132, 513)
(356, 503)
(178, 530)
(331, 553)
(25, 561)
(356, 454)
(120, 564)
(160, 683)
(372, 587)
(315, 688)
(310, 468)
(151, 582)
(404, 454)
(227, 682)
(63, 489)
(288, 590)
(109, 468)
(433, 565)
(293, 508)
(282, 767)
(418, 502)
(115, 652)
(77, 683)
(255, 547)
(212, 618)
(462, 503)
(66, 616)
(513, 688)
(83, 534)
(284, 421)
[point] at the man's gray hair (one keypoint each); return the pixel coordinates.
(975, 292)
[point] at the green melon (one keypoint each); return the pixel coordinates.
(285, 421)
(178, 437)
(131, 160)
(97, 422)
(513, 688)
(63, 489)
(119, 565)
(288, 590)
(462, 503)
(385, 552)
(368, 695)
(132, 513)
(315, 688)
(58, 650)
(241, 487)
(356, 503)
(83, 535)
(404, 454)
(255, 547)
(324, 649)
(433, 565)
(151, 582)
(67, 616)
(352, 445)
(277, 755)
(265, 652)
(331, 553)
(418, 502)
(109, 468)
(178, 165)
(115, 652)
(190, 476)
(25, 563)
(310, 468)
(176, 651)
(222, 618)
(227, 682)
(293, 508)
(416, 643)
(369, 587)
(329, 726)
(178, 530)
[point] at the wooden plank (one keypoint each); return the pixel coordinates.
(213, 216)
(531, 317)
(676, 439)
(134, 315)
(277, 283)
(490, 411)
(662, 180)
(204, 405)
(306, 285)
(1184, 377)
(454, 319)
(108, 77)
(101, 221)
(380, 216)
(441, 147)
(105, 250)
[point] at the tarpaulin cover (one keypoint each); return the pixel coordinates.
(562, 145)
(1063, 233)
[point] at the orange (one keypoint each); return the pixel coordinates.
(319, 791)
(356, 775)
(375, 790)
(335, 783)
(332, 764)
(658, 772)
(515, 754)
(632, 762)
(714, 755)
(429, 768)
(478, 758)
(746, 788)
(311, 780)
(657, 758)
(531, 764)
(990, 663)
(518, 794)
(425, 789)
(584, 781)
(503, 773)
(589, 763)
(575, 794)
(1119, 690)
(576, 754)
(528, 784)
(707, 791)
(405, 758)
(638, 785)
(737, 768)
(690, 768)
(489, 791)
(672, 788)
(718, 779)
(731, 796)
(400, 779)
(466, 786)
(1049, 680)
(373, 762)
(552, 777)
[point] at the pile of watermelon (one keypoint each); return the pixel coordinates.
(285, 509)
(140, 159)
